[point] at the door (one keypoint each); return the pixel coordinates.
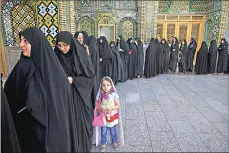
(108, 31)
(182, 27)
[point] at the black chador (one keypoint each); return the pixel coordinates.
(119, 65)
(132, 59)
(94, 53)
(124, 54)
(158, 57)
(105, 54)
(165, 56)
(78, 65)
(182, 56)
(222, 56)
(9, 139)
(173, 55)
(190, 55)
(201, 66)
(114, 64)
(120, 68)
(140, 56)
(38, 93)
(212, 57)
(150, 60)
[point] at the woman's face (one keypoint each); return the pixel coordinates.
(174, 39)
(106, 86)
(80, 38)
(163, 41)
(25, 47)
(182, 42)
(101, 41)
(63, 47)
(222, 41)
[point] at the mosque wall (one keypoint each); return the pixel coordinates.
(132, 18)
(212, 9)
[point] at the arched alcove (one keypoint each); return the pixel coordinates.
(127, 27)
(86, 24)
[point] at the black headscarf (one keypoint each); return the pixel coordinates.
(43, 88)
(164, 46)
(85, 35)
(193, 41)
(185, 48)
(81, 61)
(104, 48)
(123, 44)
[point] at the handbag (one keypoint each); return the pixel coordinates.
(99, 120)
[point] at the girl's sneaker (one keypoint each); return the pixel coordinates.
(103, 148)
(115, 146)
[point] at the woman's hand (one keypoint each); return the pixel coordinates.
(70, 79)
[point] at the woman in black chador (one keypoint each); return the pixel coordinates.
(165, 55)
(223, 56)
(80, 72)
(190, 55)
(9, 140)
(132, 59)
(123, 49)
(118, 66)
(182, 56)
(140, 56)
(212, 57)
(150, 60)
(201, 66)
(105, 54)
(94, 53)
(114, 64)
(158, 57)
(173, 55)
(38, 93)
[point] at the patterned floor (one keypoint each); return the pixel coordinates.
(175, 113)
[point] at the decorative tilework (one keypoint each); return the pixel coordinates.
(185, 6)
(179, 6)
(7, 23)
(48, 18)
(208, 30)
(22, 18)
(87, 24)
(163, 6)
(85, 3)
(127, 28)
(223, 20)
(150, 18)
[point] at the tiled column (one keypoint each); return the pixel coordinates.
(67, 16)
(223, 20)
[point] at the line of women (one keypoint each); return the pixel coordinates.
(51, 93)
(161, 58)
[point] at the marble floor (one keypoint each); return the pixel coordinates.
(174, 113)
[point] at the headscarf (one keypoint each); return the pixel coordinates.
(104, 48)
(194, 44)
(123, 45)
(82, 62)
(104, 95)
(85, 35)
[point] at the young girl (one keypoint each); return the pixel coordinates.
(107, 102)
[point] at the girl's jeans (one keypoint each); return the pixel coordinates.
(113, 134)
